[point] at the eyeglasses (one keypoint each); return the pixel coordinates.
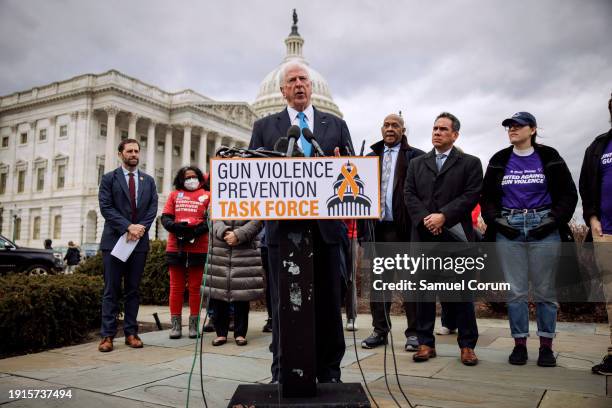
(514, 126)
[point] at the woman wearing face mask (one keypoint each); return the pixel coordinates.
(184, 217)
(528, 196)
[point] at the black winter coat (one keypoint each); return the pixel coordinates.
(590, 179)
(400, 210)
(561, 188)
(235, 272)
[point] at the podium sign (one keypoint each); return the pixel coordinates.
(297, 188)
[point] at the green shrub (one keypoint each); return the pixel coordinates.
(155, 283)
(38, 312)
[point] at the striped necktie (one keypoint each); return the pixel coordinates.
(306, 146)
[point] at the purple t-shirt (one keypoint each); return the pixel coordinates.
(606, 189)
(524, 184)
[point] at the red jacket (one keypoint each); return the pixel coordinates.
(189, 206)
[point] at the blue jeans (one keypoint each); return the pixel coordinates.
(525, 258)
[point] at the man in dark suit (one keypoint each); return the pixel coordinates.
(394, 226)
(332, 134)
(128, 203)
(442, 187)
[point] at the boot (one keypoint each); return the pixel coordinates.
(193, 327)
(177, 330)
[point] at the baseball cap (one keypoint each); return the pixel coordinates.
(522, 118)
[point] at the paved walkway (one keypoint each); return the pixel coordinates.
(158, 374)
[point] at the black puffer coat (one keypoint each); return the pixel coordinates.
(235, 273)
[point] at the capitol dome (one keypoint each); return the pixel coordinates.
(270, 100)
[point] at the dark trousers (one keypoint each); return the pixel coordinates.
(387, 231)
(115, 271)
(329, 337)
(445, 317)
(221, 310)
(350, 297)
(461, 312)
(381, 319)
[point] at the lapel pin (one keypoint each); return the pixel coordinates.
(141, 178)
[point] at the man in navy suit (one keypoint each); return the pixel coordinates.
(128, 203)
(332, 134)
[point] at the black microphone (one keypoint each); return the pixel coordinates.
(310, 138)
(293, 134)
(362, 147)
(282, 146)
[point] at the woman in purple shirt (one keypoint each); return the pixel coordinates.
(528, 196)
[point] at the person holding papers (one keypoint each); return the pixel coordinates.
(185, 218)
(528, 197)
(128, 203)
(442, 187)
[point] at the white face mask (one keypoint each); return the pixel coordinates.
(192, 184)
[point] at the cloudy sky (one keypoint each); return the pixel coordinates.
(481, 60)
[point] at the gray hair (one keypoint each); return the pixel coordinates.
(456, 124)
(283, 72)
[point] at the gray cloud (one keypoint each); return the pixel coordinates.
(482, 60)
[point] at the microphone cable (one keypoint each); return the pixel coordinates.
(200, 338)
(394, 362)
(365, 383)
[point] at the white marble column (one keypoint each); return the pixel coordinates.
(11, 182)
(186, 161)
(70, 179)
(218, 141)
(168, 161)
(202, 162)
(132, 125)
(85, 162)
(51, 137)
(151, 146)
(110, 158)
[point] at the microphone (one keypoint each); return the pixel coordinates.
(293, 134)
(362, 147)
(310, 137)
(282, 145)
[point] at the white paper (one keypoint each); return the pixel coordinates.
(457, 232)
(124, 248)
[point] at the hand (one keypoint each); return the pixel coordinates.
(595, 226)
(336, 152)
(434, 222)
(230, 238)
(135, 232)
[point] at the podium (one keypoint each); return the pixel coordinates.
(299, 387)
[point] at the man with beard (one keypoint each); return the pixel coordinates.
(128, 203)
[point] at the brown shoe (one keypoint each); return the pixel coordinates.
(468, 357)
(424, 353)
(133, 341)
(106, 344)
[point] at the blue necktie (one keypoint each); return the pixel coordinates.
(306, 146)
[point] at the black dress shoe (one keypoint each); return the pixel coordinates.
(374, 340)
(268, 326)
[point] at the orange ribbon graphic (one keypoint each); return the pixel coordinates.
(348, 181)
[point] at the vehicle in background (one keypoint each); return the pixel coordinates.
(33, 261)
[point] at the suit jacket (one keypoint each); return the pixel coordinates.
(454, 191)
(330, 132)
(114, 199)
(401, 217)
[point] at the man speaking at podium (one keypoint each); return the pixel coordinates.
(330, 132)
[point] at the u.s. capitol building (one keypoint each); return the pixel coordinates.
(57, 140)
